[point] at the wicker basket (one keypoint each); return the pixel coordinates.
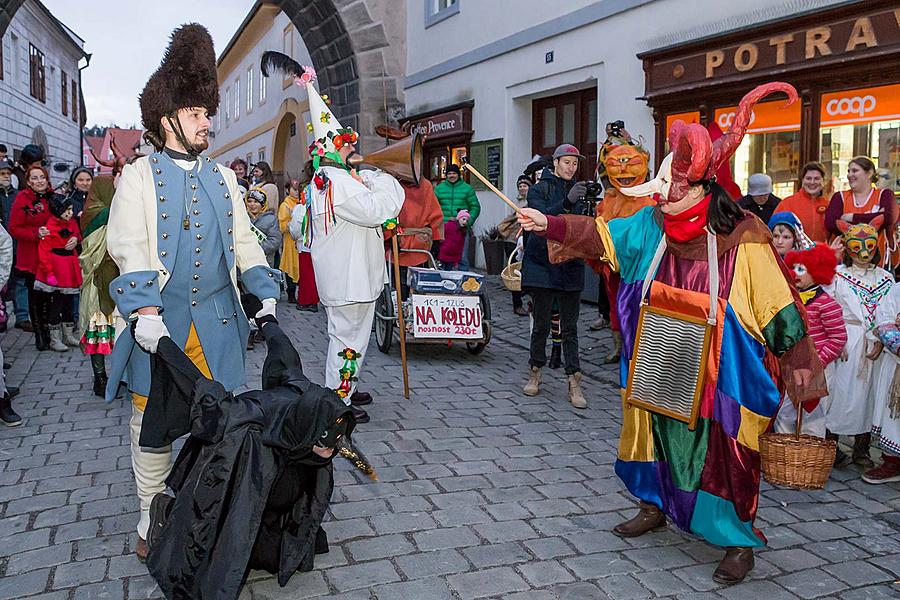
(511, 275)
(796, 460)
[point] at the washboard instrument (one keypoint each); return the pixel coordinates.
(671, 350)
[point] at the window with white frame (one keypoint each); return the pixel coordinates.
(227, 105)
(438, 10)
(261, 155)
(262, 88)
(249, 89)
(249, 162)
(237, 98)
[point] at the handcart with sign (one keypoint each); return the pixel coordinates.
(442, 307)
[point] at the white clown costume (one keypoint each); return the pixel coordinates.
(344, 225)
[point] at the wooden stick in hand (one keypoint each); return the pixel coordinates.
(491, 187)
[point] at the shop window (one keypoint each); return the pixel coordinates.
(862, 122)
(771, 146)
(438, 10)
(37, 80)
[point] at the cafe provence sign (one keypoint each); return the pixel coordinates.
(849, 37)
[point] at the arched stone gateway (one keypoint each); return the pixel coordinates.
(349, 44)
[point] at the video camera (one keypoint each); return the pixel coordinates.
(585, 204)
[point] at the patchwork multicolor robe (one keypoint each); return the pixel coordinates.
(705, 480)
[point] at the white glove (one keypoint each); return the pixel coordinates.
(148, 331)
(268, 308)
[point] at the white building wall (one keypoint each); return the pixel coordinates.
(600, 54)
(20, 113)
(262, 114)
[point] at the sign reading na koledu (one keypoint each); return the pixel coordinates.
(452, 317)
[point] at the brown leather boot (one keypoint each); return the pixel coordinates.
(861, 443)
(648, 518)
(142, 549)
(735, 566)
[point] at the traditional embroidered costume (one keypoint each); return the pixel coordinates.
(859, 290)
(886, 416)
(705, 479)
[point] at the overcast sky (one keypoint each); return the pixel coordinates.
(127, 40)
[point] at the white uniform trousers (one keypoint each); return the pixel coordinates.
(349, 326)
(151, 468)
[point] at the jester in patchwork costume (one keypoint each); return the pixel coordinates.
(343, 223)
(622, 163)
(706, 478)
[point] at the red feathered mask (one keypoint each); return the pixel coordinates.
(820, 262)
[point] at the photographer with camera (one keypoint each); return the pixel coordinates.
(555, 193)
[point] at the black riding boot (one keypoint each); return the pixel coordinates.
(98, 366)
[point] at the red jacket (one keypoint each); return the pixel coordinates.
(58, 267)
(29, 213)
(420, 210)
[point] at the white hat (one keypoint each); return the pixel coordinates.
(329, 134)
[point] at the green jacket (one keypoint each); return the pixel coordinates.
(455, 197)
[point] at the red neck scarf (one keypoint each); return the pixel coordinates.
(689, 224)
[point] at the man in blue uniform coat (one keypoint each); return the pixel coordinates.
(179, 234)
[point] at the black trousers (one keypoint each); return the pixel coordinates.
(38, 301)
(569, 304)
(59, 308)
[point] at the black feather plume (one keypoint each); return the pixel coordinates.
(279, 62)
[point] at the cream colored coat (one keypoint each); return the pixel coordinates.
(131, 234)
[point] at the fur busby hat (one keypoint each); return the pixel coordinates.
(820, 262)
(185, 77)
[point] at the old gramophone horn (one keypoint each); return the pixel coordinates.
(402, 159)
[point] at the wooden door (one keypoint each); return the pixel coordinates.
(567, 119)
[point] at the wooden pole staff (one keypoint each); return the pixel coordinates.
(396, 260)
(491, 186)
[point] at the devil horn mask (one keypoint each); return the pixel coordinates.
(696, 157)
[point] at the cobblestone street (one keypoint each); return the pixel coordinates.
(482, 493)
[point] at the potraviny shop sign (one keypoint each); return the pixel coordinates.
(867, 33)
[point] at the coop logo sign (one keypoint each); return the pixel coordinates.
(862, 105)
(725, 119)
(857, 106)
